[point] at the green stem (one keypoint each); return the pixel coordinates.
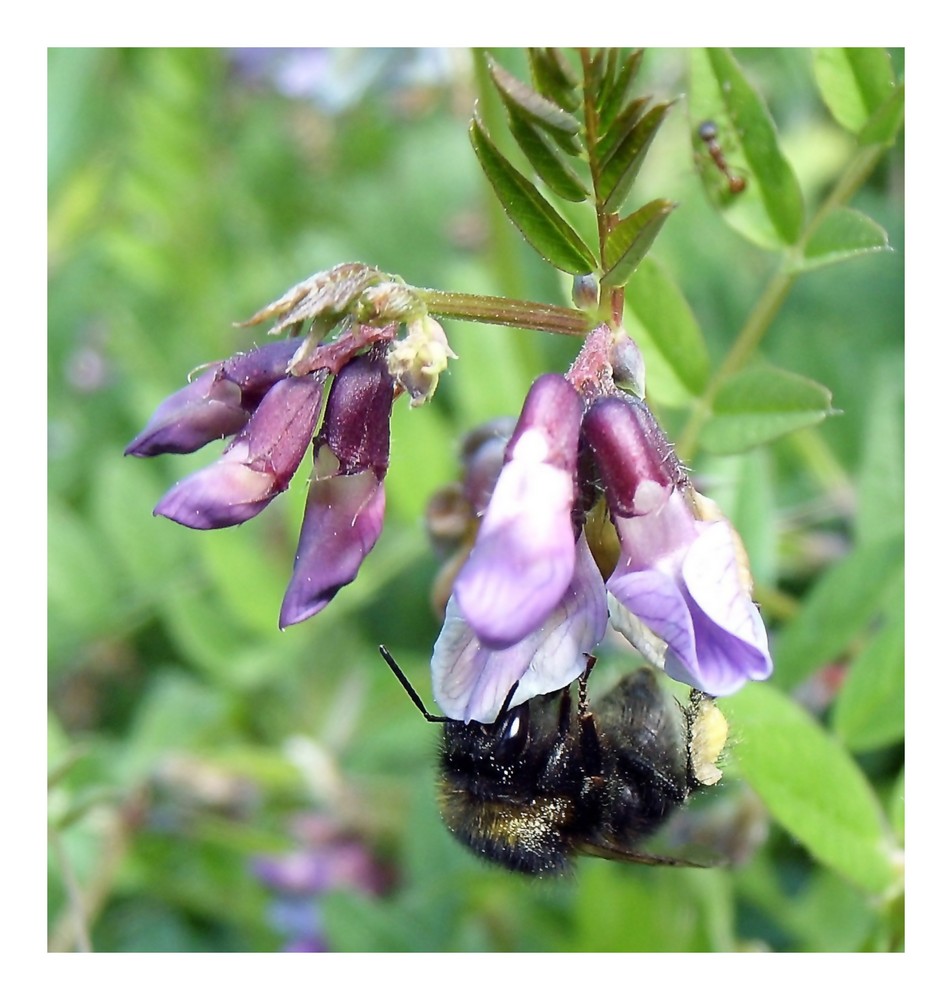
(774, 295)
(505, 312)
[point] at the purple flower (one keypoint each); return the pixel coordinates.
(343, 514)
(678, 575)
(524, 555)
(471, 680)
(256, 466)
(216, 404)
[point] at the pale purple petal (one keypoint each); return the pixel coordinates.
(731, 637)
(471, 681)
(657, 600)
(343, 518)
(524, 554)
(219, 496)
(716, 637)
(713, 578)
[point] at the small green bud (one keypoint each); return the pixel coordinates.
(417, 360)
(585, 291)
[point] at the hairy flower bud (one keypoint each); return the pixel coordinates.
(216, 404)
(343, 514)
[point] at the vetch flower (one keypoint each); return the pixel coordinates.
(256, 466)
(217, 404)
(678, 575)
(343, 514)
(524, 555)
(471, 680)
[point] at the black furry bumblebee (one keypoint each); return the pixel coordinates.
(554, 778)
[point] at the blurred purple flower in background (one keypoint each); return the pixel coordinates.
(337, 79)
(327, 858)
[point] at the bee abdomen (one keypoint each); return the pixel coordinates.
(526, 837)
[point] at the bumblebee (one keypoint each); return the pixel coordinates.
(554, 778)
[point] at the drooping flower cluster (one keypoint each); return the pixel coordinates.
(271, 400)
(544, 578)
(585, 515)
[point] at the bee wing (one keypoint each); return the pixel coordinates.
(612, 851)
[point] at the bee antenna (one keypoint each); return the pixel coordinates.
(506, 702)
(408, 687)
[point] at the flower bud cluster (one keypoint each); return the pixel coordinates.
(276, 402)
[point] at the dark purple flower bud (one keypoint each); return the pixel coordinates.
(256, 466)
(343, 514)
(682, 578)
(206, 409)
(484, 452)
(216, 404)
(254, 372)
(357, 420)
(631, 451)
(524, 554)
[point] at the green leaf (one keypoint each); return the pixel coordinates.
(548, 233)
(547, 161)
(769, 211)
(880, 493)
(854, 83)
(177, 713)
(843, 234)
(614, 95)
(870, 710)
(524, 102)
(631, 238)
(661, 321)
(619, 128)
(760, 404)
(83, 594)
(810, 785)
(617, 174)
(554, 77)
(897, 807)
(885, 123)
(838, 608)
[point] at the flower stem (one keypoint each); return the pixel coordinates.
(505, 312)
(774, 295)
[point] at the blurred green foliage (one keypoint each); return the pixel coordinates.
(188, 736)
